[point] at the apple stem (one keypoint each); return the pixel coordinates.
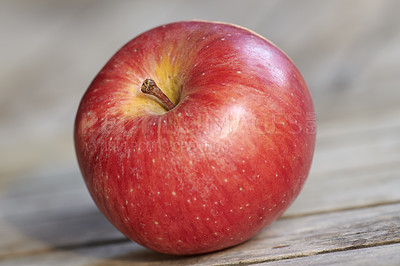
(149, 86)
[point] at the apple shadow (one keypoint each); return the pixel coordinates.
(143, 256)
(146, 256)
(55, 212)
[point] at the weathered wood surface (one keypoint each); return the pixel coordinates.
(288, 238)
(349, 53)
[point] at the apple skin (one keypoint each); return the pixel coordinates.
(226, 162)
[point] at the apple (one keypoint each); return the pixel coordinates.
(194, 136)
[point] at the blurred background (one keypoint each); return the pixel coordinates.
(348, 52)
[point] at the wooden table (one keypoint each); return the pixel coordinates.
(349, 52)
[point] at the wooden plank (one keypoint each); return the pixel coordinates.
(350, 188)
(32, 214)
(388, 255)
(334, 233)
(357, 150)
(46, 189)
(357, 169)
(71, 228)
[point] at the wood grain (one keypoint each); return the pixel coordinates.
(365, 256)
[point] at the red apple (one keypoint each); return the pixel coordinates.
(222, 162)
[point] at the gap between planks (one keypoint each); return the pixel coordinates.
(350, 208)
(314, 253)
(69, 247)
